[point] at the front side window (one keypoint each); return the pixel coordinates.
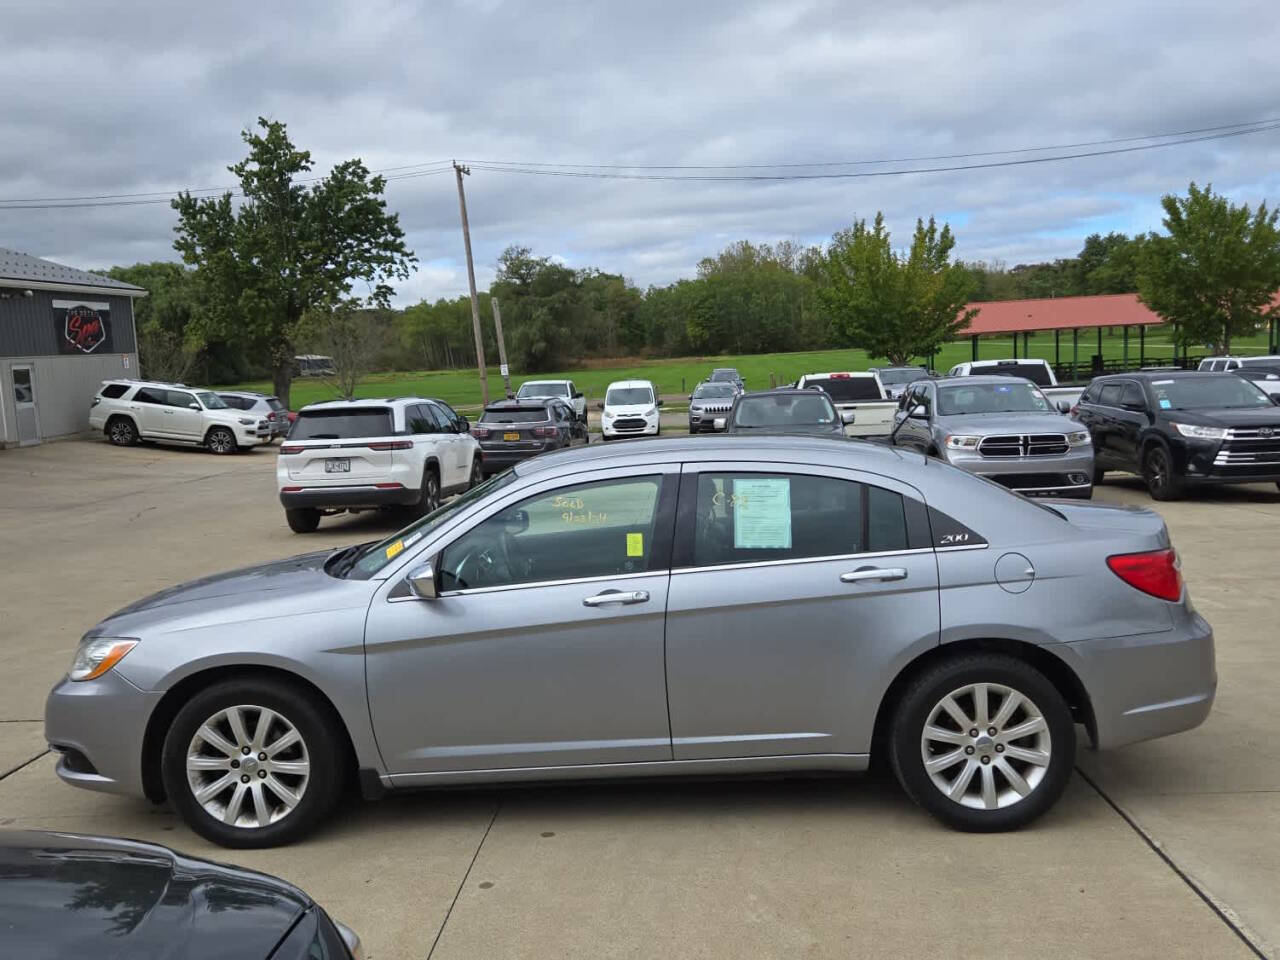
(1131, 397)
(180, 398)
(600, 529)
(1110, 396)
(750, 517)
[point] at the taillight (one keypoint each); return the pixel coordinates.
(544, 431)
(287, 449)
(480, 433)
(388, 486)
(1157, 572)
(392, 445)
(271, 415)
(96, 401)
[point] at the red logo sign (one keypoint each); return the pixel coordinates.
(84, 329)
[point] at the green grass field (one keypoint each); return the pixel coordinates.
(679, 375)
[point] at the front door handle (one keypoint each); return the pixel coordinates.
(874, 573)
(616, 596)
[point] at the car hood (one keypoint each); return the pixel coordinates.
(294, 574)
(988, 424)
(1230, 417)
(63, 895)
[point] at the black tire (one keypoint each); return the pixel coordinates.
(429, 496)
(302, 519)
(121, 431)
(220, 440)
(322, 746)
(477, 473)
(924, 696)
(1157, 471)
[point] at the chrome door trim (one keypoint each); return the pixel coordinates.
(800, 560)
(533, 583)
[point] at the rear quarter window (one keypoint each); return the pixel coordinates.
(114, 390)
(342, 424)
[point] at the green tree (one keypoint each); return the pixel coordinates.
(894, 305)
(1216, 271)
(288, 247)
(163, 318)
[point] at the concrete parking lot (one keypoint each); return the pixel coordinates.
(1164, 849)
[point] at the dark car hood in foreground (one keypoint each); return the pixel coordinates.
(63, 895)
(291, 574)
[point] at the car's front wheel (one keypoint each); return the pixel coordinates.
(220, 440)
(1157, 471)
(984, 742)
(252, 763)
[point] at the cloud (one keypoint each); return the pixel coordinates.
(129, 98)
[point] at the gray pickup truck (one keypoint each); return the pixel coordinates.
(998, 427)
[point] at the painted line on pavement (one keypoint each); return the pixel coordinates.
(25, 763)
(463, 882)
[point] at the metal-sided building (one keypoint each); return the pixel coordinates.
(62, 332)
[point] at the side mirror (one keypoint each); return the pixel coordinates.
(720, 423)
(918, 412)
(422, 582)
(464, 424)
(578, 395)
(657, 402)
(516, 522)
(1064, 406)
(193, 405)
(846, 417)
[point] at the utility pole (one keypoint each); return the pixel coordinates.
(471, 280)
(502, 346)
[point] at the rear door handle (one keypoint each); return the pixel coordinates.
(616, 596)
(874, 573)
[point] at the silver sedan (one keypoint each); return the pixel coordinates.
(737, 604)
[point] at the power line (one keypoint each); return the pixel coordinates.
(848, 163)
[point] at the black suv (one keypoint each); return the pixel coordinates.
(1182, 428)
(513, 430)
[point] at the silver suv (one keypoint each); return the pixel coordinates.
(728, 604)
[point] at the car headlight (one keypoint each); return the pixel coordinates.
(962, 442)
(246, 421)
(607, 415)
(96, 655)
(651, 412)
(1079, 439)
(1199, 432)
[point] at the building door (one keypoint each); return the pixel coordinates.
(24, 402)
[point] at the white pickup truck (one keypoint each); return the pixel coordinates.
(861, 394)
(1038, 372)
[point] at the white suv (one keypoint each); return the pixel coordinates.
(131, 410)
(630, 409)
(367, 454)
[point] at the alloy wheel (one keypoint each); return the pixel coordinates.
(121, 433)
(986, 746)
(432, 499)
(220, 441)
(248, 766)
(1157, 470)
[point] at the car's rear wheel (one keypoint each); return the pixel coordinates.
(1157, 471)
(1099, 475)
(984, 742)
(220, 440)
(122, 432)
(252, 763)
(429, 499)
(477, 474)
(302, 519)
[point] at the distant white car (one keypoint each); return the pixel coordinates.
(1038, 372)
(559, 389)
(630, 409)
(859, 393)
(1217, 364)
(352, 455)
(131, 410)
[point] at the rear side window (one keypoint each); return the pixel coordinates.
(749, 517)
(342, 424)
(113, 390)
(275, 404)
(846, 389)
(418, 419)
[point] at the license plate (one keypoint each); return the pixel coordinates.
(511, 436)
(337, 465)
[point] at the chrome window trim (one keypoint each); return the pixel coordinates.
(752, 564)
(963, 546)
(533, 583)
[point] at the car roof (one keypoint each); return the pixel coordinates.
(971, 380)
(857, 454)
(1163, 375)
(630, 383)
(243, 393)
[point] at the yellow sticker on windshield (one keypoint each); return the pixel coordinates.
(395, 548)
(635, 544)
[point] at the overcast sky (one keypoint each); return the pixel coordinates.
(147, 96)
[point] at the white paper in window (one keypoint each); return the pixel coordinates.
(762, 513)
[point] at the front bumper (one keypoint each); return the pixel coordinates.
(705, 421)
(97, 727)
(611, 432)
(1150, 685)
(352, 497)
(1067, 475)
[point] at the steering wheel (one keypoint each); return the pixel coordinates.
(486, 564)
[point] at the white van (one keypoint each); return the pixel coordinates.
(630, 409)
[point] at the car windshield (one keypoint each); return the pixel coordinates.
(211, 401)
(967, 398)
(1037, 373)
(783, 410)
(846, 389)
(543, 390)
(713, 391)
(628, 396)
(372, 558)
(516, 415)
(1207, 393)
(900, 375)
(342, 423)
